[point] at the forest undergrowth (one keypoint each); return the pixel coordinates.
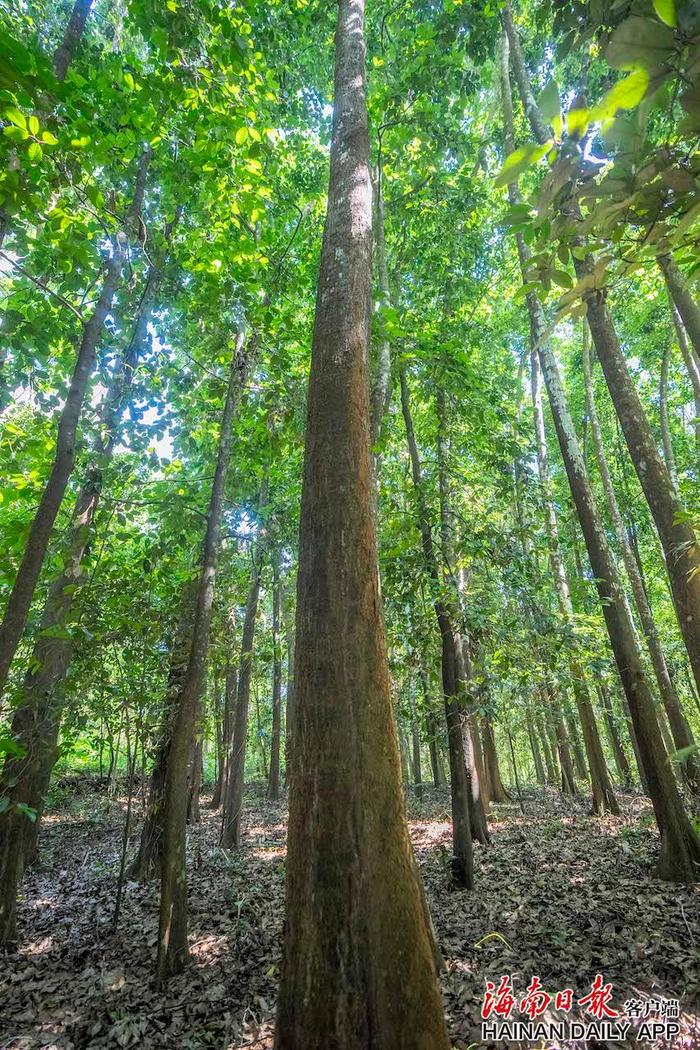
(562, 894)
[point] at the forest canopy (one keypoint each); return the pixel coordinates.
(349, 461)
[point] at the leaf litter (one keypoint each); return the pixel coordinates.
(559, 893)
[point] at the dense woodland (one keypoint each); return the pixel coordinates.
(349, 461)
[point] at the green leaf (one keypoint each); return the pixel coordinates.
(34, 125)
(35, 151)
(549, 106)
(14, 133)
(626, 94)
(241, 135)
(577, 121)
(666, 11)
(640, 42)
(48, 138)
(520, 159)
(16, 117)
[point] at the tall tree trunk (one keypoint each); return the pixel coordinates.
(550, 753)
(460, 789)
(680, 846)
(354, 905)
(235, 787)
(682, 735)
(27, 577)
(274, 785)
(289, 632)
(602, 791)
(381, 386)
(479, 801)
(172, 933)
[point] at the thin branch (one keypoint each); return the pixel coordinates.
(44, 287)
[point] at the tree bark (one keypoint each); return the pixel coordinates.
(172, 934)
(621, 763)
(358, 971)
(27, 577)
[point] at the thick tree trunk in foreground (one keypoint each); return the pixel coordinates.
(452, 668)
(682, 735)
(172, 934)
(358, 971)
(233, 804)
(275, 749)
(20, 599)
(680, 846)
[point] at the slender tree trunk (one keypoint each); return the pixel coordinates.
(27, 577)
(289, 631)
(603, 794)
(535, 747)
(381, 387)
(462, 859)
(354, 901)
(621, 763)
(146, 864)
(274, 785)
(680, 846)
(479, 801)
(172, 935)
(233, 805)
(547, 749)
(682, 735)
(692, 365)
(683, 301)
(498, 791)
(195, 783)
(431, 729)
(73, 34)
(415, 747)
(664, 422)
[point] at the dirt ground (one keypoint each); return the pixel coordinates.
(559, 894)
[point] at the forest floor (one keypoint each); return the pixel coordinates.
(558, 893)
